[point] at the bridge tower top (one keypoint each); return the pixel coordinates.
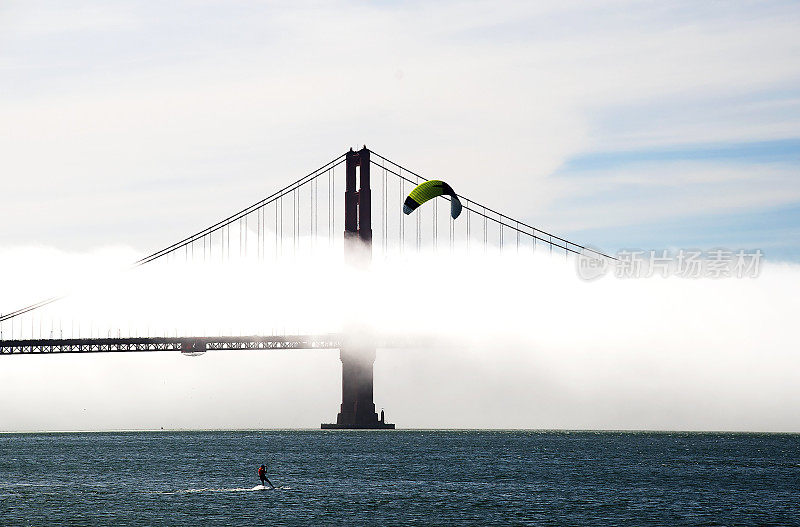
(358, 209)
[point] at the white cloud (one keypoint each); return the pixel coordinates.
(234, 98)
(522, 343)
(37, 19)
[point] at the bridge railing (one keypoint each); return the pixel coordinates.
(186, 344)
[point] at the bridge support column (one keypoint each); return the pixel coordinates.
(358, 409)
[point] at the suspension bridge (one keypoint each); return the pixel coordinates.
(308, 214)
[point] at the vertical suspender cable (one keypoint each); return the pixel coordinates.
(501, 235)
(484, 229)
(297, 219)
(468, 215)
(435, 218)
(330, 228)
(419, 223)
(383, 210)
(452, 233)
(258, 234)
(311, 212)
(385, 233)
(386, 193)
(294, 221)
(402, 216)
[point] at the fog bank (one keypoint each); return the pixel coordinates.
(514, 341)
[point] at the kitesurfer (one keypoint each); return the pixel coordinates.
(262, 475)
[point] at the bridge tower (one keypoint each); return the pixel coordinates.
(358, 352)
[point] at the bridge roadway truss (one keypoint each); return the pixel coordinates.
(187, 345)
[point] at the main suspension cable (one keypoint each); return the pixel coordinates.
(222, 225)
(485, 211)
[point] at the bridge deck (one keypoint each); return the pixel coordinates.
(183, 344)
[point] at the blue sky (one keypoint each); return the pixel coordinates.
(774, 229)
(622, 124)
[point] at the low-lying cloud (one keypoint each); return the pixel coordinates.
(508, 341)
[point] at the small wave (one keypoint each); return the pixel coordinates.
(235, 489)
(9, 485)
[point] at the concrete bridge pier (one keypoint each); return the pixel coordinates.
(358, 409)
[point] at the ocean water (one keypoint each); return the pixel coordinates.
(399, 478)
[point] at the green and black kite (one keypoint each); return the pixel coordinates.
(429, 190)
